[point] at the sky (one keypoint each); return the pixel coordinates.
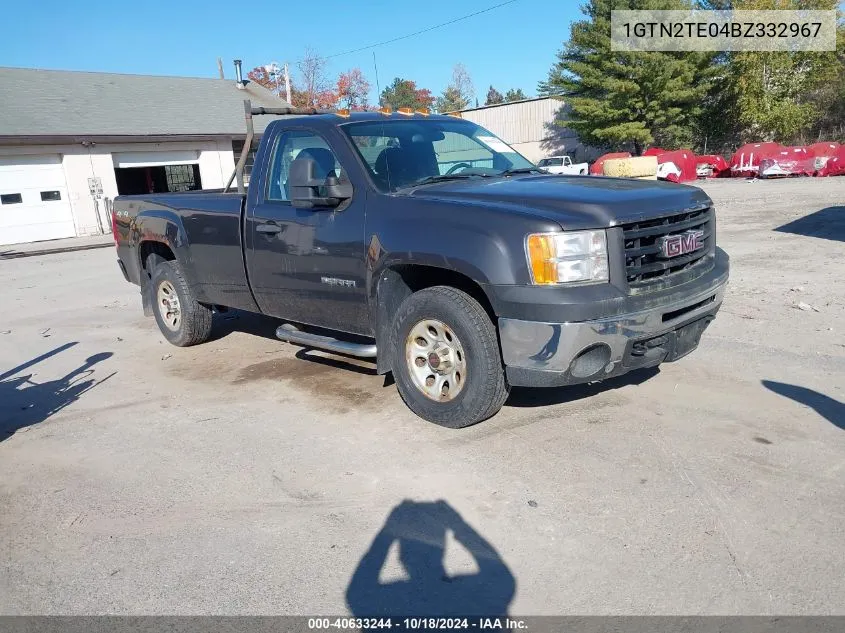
(512, 46)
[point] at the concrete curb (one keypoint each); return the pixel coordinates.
(12, 254)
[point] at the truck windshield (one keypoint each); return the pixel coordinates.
(405, 153)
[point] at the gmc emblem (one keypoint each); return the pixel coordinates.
(675, 245)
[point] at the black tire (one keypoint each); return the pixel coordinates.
(194, 325)
(484, 389)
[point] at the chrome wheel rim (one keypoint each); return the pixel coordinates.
(168, 305)
(436, 360)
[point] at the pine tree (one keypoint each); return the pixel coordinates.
(627, 99)
(494, 97)
(514, 95)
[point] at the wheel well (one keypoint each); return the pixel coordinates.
(160, 249)
(399, 282)
(418, 277)
(154, 252)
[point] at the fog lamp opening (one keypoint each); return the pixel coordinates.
(590, 361)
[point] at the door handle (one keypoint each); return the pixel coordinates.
(268, 229)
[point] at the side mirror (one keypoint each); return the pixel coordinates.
(307, 191)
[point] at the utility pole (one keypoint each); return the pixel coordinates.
(287, 85)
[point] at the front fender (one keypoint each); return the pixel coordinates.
(471, 251)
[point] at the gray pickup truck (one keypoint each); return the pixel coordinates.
(427, 243)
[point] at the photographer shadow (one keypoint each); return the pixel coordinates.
(420, 530)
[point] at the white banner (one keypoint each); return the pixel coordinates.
(723, 30)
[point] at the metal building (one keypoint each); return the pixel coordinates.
(531, 127)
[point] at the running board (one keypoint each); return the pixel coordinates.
(291, 335)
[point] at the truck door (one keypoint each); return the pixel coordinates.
(307, 265)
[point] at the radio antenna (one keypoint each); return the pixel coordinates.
(378, 87)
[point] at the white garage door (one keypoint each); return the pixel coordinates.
(34, 203)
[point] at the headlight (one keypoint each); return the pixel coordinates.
(562, 258)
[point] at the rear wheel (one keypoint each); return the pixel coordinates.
(182, 320)
(446, 361)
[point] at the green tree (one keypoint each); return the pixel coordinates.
(627, 99)
(784, 96)
(403, 93)
(494, 97)
(459, 93)
(514, 95)
(831, 98)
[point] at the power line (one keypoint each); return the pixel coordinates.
(431, 28)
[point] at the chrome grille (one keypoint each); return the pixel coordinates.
(644, 263)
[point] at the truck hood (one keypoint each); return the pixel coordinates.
(575, 202)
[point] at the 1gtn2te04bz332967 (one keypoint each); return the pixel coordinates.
(427, 244)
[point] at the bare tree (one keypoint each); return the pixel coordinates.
(462, 83)
(316, 86)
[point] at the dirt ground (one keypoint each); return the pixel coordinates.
(247, 476)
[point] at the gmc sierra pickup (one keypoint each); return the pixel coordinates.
(427, 243)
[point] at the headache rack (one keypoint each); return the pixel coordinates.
(643, 262)
(249, 112)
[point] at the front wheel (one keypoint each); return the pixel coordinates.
(446, 360)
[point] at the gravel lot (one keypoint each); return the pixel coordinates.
(247, 476)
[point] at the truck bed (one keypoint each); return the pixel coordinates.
(207, 225)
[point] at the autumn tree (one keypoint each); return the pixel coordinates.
(353, 89)
(262, 77)
(276, 85)
(403, 93)
(514, 95)
(459, 93)
(494, 97)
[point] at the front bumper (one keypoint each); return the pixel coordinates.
(539, 354)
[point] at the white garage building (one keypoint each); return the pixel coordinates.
(72, 141)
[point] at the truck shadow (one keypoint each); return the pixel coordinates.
(829, 408)
(25, 402)
(545, 396)
(349, 363)
(827, 223)
(225, 323)
(420, 532)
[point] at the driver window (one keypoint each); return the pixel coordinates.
(291, 145)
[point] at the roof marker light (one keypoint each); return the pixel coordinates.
(406, 111)
(385, 110)
(344, 113)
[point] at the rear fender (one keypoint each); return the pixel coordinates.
(164, 227)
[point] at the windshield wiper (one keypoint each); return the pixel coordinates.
(436, 178)
(521, 170)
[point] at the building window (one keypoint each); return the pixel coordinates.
(49, 196)
(237, 148)
(182, 177)
(11, 198)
